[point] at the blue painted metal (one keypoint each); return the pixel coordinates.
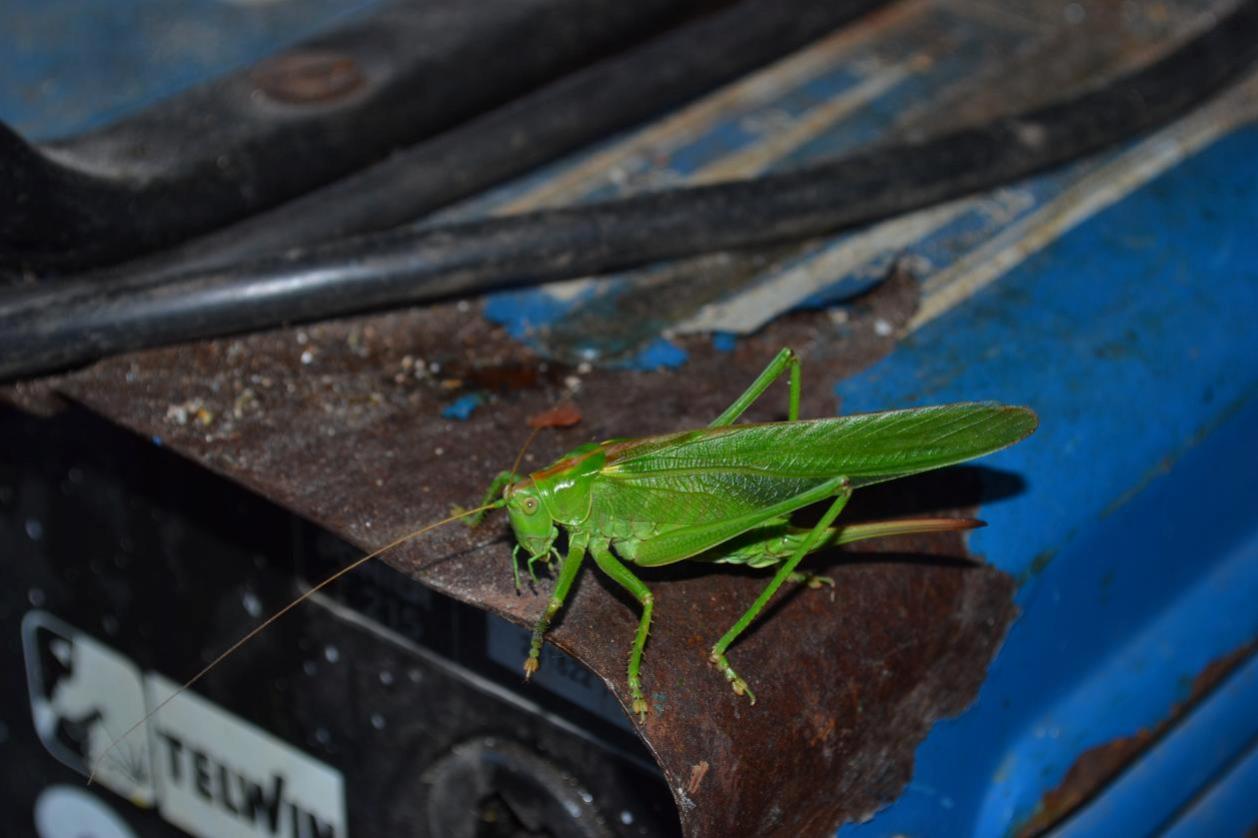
(1229, 802)
(1136, 533)
(1135, 538)
(463, 407)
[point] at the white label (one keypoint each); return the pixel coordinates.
(220, 775)
(209, 772)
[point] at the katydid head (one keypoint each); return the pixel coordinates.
(530, 519)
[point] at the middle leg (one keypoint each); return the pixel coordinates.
(610, 565)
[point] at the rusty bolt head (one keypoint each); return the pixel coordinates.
(307, 77)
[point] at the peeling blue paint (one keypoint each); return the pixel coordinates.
(523, 313)
(575, 321)
(659, 354)
(845, 288)
(532, 316)
(462, 407)
(955, 47)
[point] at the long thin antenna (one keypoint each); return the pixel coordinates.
(519, 458)
(269, 620)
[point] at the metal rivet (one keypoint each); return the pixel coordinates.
(307, 77)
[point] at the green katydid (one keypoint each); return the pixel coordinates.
(725, 493)
(720, 494)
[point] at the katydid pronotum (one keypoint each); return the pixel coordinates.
(721, 494)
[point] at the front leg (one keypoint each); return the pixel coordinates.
(494, 493)
(567, 573)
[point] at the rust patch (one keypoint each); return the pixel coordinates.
(35, 397)
(697, 773)
(1215, 671)
(825, 729)
(560, 416)
(513, 376)
(1093, 769)
(1099, 765)
(308, 77)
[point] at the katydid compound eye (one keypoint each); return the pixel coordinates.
(530, 505)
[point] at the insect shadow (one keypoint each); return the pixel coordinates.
(958, 488)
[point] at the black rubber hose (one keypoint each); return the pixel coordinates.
(42, 332)
(587, 105)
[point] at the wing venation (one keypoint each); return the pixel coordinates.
(867, 448)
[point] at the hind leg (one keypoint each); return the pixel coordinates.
(784, 360)
(783, 573)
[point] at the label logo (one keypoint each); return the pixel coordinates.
(207, 771)
(83, 696)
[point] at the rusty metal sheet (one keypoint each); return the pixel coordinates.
(342, 423)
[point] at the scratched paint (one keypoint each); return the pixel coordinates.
(958, 247)
(1088, 188)
(838, 106)
(883, 80)
(755, 106)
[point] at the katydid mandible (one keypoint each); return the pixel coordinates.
(722, 494)
(725, 494)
